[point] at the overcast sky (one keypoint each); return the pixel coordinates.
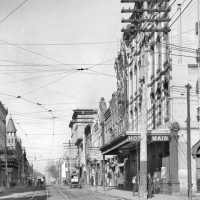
(42, 43)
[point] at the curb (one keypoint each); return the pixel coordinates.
(119, 198)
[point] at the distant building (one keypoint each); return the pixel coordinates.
(3, 114)
(12, 144)
(18, 165)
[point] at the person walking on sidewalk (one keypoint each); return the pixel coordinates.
(134, 181)
(108, 178)
(149, 185)
(92, 181)
(155, 183)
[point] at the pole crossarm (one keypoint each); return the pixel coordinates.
(129, 10)
(133, 1)
(145, 30)
(145, 20)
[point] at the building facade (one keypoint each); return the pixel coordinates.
(164, 56)
(19, 169)
(3, 114)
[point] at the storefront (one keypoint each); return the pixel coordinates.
(160, 143)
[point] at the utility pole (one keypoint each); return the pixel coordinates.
(69, 181)
(70, 160)
(33, 175)
(96, 175)
(198, 62)
(84, 156)
(102, 131)
(23, 167)
(188, 86)
(143, 129)
(61, 171)
(102, 107)
(6, 161)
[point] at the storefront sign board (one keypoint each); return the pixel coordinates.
(157, 138)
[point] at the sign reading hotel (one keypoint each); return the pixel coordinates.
(155, 138)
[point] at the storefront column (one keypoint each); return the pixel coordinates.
(174, 181)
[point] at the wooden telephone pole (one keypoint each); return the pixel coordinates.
(143, 131)
(188, 86)
(6, 161)
(144, 119)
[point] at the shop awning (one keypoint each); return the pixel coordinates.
(129, 139)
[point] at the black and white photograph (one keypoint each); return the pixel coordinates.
(99, 99)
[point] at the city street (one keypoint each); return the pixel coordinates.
(103, 95)
(55, 192)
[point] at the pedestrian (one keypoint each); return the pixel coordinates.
(92, 181)
(81, 182)
(108, 178)
(155, 183)
(134, 184)
(149, 185)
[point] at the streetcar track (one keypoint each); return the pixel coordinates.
(47, 193)
(61, 192)
(24, 195)
(23, 192)
(34, 194)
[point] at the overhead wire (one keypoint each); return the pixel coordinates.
(38, 54)
(25, 135)
(58, 44)
(13, 11)
(49, 83)
(87, 92)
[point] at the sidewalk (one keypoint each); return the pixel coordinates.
(2, 189)
(127, 194)
(16, 189)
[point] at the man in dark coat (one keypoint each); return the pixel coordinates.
(92, 181)
(149, 185)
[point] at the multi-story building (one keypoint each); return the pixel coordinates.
(81, 135)
(14, 151)
(3, 114)
(170, 65)
(19, 168)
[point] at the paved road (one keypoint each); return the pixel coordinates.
(55, 192)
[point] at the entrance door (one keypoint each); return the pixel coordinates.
(198, 173)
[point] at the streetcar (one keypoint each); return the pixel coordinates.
(41, 182)
(74, 180)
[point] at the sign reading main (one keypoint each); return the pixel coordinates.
(159, 138)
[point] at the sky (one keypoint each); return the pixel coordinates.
(42, 44)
